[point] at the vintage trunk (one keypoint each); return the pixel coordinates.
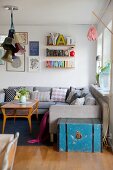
(81, 135)
(61, 134)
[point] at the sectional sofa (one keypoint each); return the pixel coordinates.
(59, 109)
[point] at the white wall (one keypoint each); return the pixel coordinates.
(82, 75)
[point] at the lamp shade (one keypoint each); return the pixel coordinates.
(92, 34)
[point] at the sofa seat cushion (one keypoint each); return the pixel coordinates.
(45, 105)
(61, 103)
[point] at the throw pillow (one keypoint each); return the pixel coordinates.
(77, 90)
(9, 94)
(58, 94)
(84, 92)
(90, 100)
(68, 100)
(78, 101)
(34, 95)
(44, 96)
(74, 97)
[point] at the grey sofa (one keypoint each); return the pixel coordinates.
(61, 110)
(56, 106)
(43, 106)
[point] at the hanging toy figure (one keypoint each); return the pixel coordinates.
(92, 34)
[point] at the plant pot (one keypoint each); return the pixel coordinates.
(22, 99)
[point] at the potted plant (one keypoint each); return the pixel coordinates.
(23, 95)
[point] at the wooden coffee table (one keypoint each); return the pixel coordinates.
(13, 110)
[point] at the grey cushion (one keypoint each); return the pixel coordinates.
(45, 105)
(90, 100)
(42, 89)
(84, 91)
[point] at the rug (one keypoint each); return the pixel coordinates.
(21, 126)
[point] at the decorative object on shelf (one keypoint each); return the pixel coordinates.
(10, 43)
(60, 53)
(68, 40)
(34, 48)
(61, 40)
(34, 64)
(72, 52)
(59, 64)
(54, 37)
(1, 55)
(18, 64)
(22, 37)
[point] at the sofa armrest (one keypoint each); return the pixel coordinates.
(71, 111)
(2, 97)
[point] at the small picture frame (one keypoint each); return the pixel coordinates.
(18, 64)
(34, 48)
(22, 37)
(34, 64)
(2, 52)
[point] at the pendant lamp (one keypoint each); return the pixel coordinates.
(92, 33)
(10, 43)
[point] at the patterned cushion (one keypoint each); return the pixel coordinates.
(9, 94)
(78, 101)
(58, 94)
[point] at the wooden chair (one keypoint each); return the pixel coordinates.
(9, 155)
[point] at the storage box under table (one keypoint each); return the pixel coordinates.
(82, 135)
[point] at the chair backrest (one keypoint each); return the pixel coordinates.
(9, 156)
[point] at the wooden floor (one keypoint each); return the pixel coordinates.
(47, 158)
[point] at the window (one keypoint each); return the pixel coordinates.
(99, 54)
(107, 44)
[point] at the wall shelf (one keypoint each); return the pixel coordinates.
(62, 45)
(61, 56)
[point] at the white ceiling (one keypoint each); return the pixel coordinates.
(50, 12)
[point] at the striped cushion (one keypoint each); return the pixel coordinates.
(58, 94)
(44, 96)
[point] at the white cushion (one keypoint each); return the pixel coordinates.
(58, 94)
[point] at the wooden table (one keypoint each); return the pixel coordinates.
(4, 140)
(31, 106)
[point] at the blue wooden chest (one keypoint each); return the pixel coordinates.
(61, 135)
(81, 135)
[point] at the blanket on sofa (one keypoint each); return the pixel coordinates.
(43, 134)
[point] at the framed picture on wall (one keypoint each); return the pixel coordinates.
(22, 37)
(34, 48)
(2, 52)
(18, 64)
(34, 64)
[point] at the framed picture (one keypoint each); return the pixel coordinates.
(34, 64)
(2, 52)
(34, 48)
(2, 38)
(22, 37)
(18, 64)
